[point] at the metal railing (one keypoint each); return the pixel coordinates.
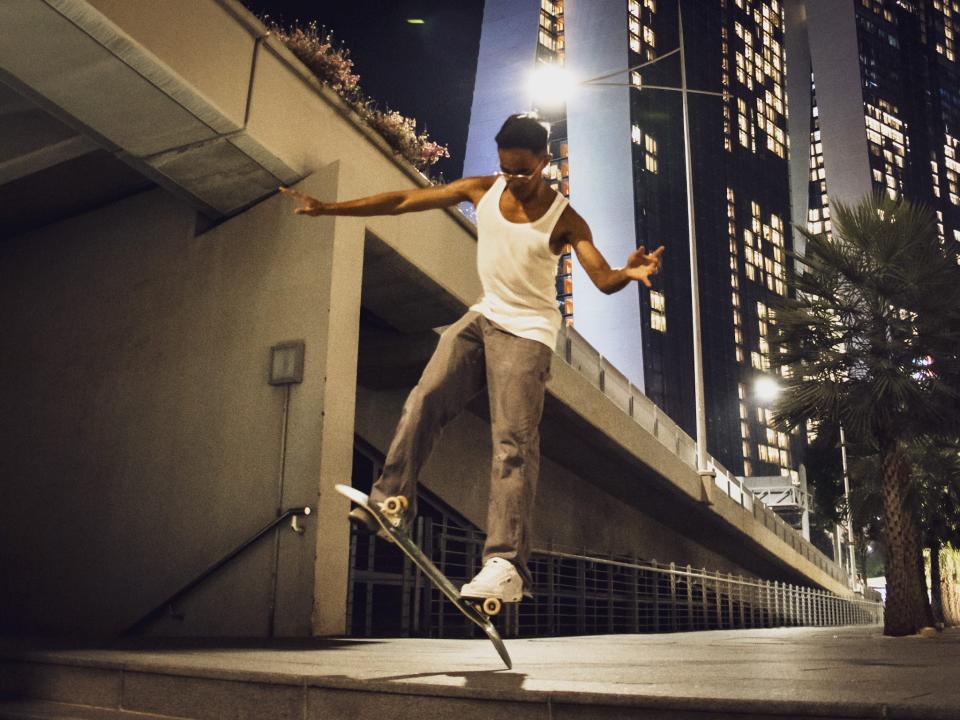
(168, 606)
(573, 349)
(630, 595)
(576, 593)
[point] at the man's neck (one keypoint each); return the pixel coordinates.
(534, 196)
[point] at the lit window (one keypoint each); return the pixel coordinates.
(658, 308)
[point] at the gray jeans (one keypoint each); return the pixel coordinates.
(472, 353)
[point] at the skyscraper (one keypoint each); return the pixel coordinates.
(623, 155)
(877, 83)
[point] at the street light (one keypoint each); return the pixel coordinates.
(550, 85)
(547, 78)
(846, 493)
(766, 389)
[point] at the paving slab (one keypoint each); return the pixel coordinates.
(787, 672)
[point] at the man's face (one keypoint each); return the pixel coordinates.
(522, 169)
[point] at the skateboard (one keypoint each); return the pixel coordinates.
(477, 612)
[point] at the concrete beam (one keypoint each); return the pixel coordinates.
(42, 158)
(68, 55)
(32, 140)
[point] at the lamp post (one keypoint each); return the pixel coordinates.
(706, 473)
(846, 493)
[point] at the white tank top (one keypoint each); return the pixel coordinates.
(517, 270)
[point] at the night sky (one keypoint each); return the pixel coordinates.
(423, 71)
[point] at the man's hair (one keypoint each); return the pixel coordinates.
(525, 131)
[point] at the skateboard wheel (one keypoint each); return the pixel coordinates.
(395, 505)
(492, 606)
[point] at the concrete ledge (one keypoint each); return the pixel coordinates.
(78, 682)
(848, 672)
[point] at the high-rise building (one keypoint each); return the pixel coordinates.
(877, 82)
(622, 161)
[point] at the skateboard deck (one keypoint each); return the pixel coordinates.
(470, 610)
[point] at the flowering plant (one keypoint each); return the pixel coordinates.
(331, 64)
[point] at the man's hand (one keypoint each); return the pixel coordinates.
(641, 266)
(308, 205)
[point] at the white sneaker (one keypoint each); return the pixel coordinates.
(498, 579)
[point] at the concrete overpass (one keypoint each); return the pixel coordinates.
(150, 267)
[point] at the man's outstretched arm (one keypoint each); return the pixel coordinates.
(640, 266)
(397, 202)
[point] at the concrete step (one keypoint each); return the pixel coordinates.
(757, 675)
(51, 691)
(45, 710)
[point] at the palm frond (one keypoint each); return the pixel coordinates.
(862, 335)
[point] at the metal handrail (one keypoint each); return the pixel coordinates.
(167, 605)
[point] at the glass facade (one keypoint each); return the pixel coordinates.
(907, 66)
(741, 188)
(911, 99)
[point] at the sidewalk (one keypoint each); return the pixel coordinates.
(842, 672)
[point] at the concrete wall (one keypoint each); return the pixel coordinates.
(143, 439)
(835, 55)
(798, 102)
(140, 425)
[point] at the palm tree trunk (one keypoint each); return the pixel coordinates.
(936, 591)
(906, 606)
(928, 620)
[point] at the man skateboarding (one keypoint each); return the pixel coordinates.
(504, 342)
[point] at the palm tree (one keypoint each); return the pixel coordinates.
(870, 339)
(933, 498)
(936, 477)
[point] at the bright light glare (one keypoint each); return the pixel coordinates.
(549, 85)
(766, 389)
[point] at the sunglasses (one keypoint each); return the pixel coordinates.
(516, 176)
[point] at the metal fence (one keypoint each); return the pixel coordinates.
(576, 594)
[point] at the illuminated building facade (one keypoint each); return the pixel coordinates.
(877, 83)
(619, 153)
(884, 105)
